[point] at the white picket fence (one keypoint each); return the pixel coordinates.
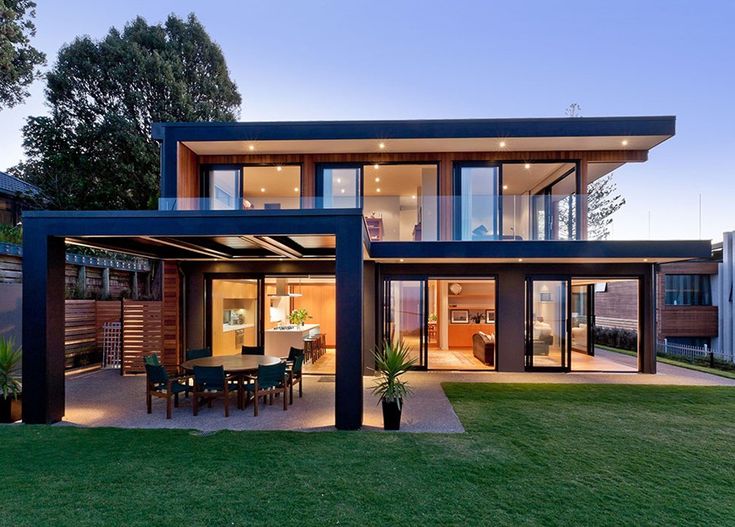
(694, 353)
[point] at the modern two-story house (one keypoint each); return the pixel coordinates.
(466, 238)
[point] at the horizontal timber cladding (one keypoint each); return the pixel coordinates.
(171, 329)
(142, 333)
(683, 320)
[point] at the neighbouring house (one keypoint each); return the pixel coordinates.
(722, 294)
(466, 238)
(14, 195)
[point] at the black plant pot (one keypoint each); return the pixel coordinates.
(391, 415)
(5, 405)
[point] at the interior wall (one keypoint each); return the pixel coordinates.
(223, 342)
(320, 301)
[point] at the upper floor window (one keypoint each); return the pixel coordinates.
(253, 187)
(477, 190)
(687, 290)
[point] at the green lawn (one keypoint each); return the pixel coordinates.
(532, 455)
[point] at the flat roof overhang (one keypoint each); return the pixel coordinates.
(587, 251)
(433, 135)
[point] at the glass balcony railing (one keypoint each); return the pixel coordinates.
(415, 217)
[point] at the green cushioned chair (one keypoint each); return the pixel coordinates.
(295, 376)
(160, 384)
(253, 350)
(271, 380)
(210, 383)
(198, 353)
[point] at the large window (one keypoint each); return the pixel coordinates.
(478, 198)
(253, 187)
(339, 187)
(687, 290)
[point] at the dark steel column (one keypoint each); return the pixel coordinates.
(349, 277)
(647, 321)
(43, 325)
(510, 320)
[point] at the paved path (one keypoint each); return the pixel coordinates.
(105, 398)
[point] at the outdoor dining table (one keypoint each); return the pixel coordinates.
(234, 364)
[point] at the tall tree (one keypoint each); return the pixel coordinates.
(19, 60)
(94, 149)
(603, 201)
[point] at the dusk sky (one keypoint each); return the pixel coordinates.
(408, 60)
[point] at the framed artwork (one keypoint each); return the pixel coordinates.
(459, 316)
(489, 315)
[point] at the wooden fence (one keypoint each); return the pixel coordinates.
(142, 332)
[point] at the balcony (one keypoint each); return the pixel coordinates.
(418, 217)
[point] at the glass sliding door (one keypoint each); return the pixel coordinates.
(547, 324)
(338, 187)
(477, 201)
(405, 315)
(224, 188)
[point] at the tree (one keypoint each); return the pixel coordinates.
(94, 149)
(603, 201)
(19, 60)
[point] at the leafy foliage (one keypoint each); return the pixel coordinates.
(11, 234)
(298, 316)
(94, 150)
(603, 201)
(19, 60)
(10, 357)
(392, 360)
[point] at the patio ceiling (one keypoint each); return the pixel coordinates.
(215, 247)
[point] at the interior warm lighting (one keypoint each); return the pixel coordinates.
(296, 189)
(377, 180)
(413, 197)
(505, 187)
(520, 259)
(342, 191)
(251, 147)
(501, 144)
(279, 168)
(381, 146)
(339, 180)
(377, 190)
(376, 166)
(401, 260)
(624, 142)
(262, 189)
(527, 166)
(645, 259)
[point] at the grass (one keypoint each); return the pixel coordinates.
(532, 455)
(727, 373)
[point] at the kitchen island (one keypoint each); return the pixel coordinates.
(280, 339)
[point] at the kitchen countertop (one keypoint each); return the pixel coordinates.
(235, 327)
(296, 329)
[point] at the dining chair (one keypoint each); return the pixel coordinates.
(210, 383)
(253, 350)
(269, 381)
(159, 384)
(198, 353)
(151, 359)
(293, 353)
(295, 376)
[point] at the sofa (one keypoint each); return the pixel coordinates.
(483, 347)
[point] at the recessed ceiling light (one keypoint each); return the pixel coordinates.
(377, 180)
(279, 168)
(624, 142)
(501, 144)
(505, 187)
(527, 166)
(381, 145)
(376, 166)
(401, 260)
(520, 259)
(262, 189)
(413, 197)
(339, 180)
(296, 189)
(645, 259)
(251, 147)
(377, 190)
(342, 191)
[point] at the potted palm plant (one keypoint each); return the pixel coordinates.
(392, 360)
(10, 383)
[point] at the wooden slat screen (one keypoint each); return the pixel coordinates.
(142, 333)
(107, 311)
(80, 329)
